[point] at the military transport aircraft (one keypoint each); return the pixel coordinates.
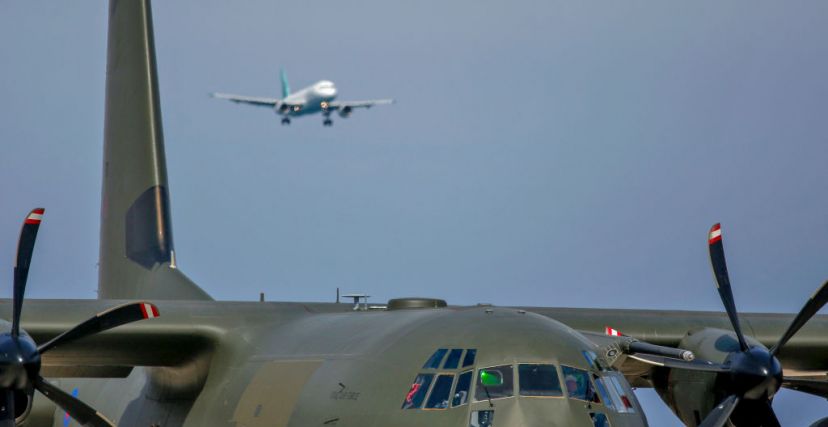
(161, 352)
(316, 98)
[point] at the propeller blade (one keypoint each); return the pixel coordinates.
(25, 246)
(103, 321)
(717, 260)
(667, 362)
(81, 412)
(817, 300)
(815, 387)
(771, 420)
(720, 414)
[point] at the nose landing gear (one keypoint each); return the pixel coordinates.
(327, 113)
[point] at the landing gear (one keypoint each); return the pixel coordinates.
(327, 113)
(285, 120)
(327, 122)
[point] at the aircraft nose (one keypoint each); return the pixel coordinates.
(329, 91)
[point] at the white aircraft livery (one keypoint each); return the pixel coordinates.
(316, 98)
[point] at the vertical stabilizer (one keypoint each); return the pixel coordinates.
(285, 86)
(137, 259)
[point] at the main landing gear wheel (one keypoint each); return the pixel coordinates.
(285, 120)
(327, 122)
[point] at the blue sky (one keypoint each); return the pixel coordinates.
(540, 153)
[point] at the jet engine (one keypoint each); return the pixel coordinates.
(345, 112)
(282, 108)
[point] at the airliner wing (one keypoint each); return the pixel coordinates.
(338, 105)
(252, 100)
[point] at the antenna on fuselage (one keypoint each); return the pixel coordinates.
(360, 301)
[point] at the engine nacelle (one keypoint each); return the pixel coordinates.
(345, 112)
(22, 405)
(691, 395)
(282, 108)
(820, 423)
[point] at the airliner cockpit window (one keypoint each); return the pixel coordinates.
(439, 397)
(416, 394)
(453, 359)
(539, 381)
(469, 359)
(461, 390)
(433, 362)
(502, 387)
(577, 384)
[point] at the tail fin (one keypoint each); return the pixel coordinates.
(137, 259)
(285, 86)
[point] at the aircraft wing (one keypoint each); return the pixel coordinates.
(184, 332)
(191, 330)
(251, 100)
(338, 105)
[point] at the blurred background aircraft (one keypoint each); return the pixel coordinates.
(316, 98)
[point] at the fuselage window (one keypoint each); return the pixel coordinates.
(453, 359)
(494, 383)
(621, 395)
(461, 390)
(539, 381)
(603, 391)
(599, 419)
(577, 383)
(439, 397)
(469, 359)
(433, 362)
(416, 394)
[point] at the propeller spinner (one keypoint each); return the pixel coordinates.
(20, 356)
(751, 376)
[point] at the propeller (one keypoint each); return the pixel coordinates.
(20, 357)
(751, 376)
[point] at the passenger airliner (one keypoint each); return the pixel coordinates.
(316, 98)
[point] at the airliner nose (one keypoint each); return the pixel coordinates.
(327, 91)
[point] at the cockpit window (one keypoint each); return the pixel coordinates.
(539, 381)
(453, 359)
(469, 359)
(505, 389)
(416, 394)
(461, 390)
(439, 397)
(621, 396)
(433, 362)
(577, 384)
(599, 419)
(601, 388)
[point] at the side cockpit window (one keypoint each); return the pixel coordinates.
(439, 397)
(578, 385)
(619, 393)
(461, 390)
(416, 394)
(494, 383)
(539, 380)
